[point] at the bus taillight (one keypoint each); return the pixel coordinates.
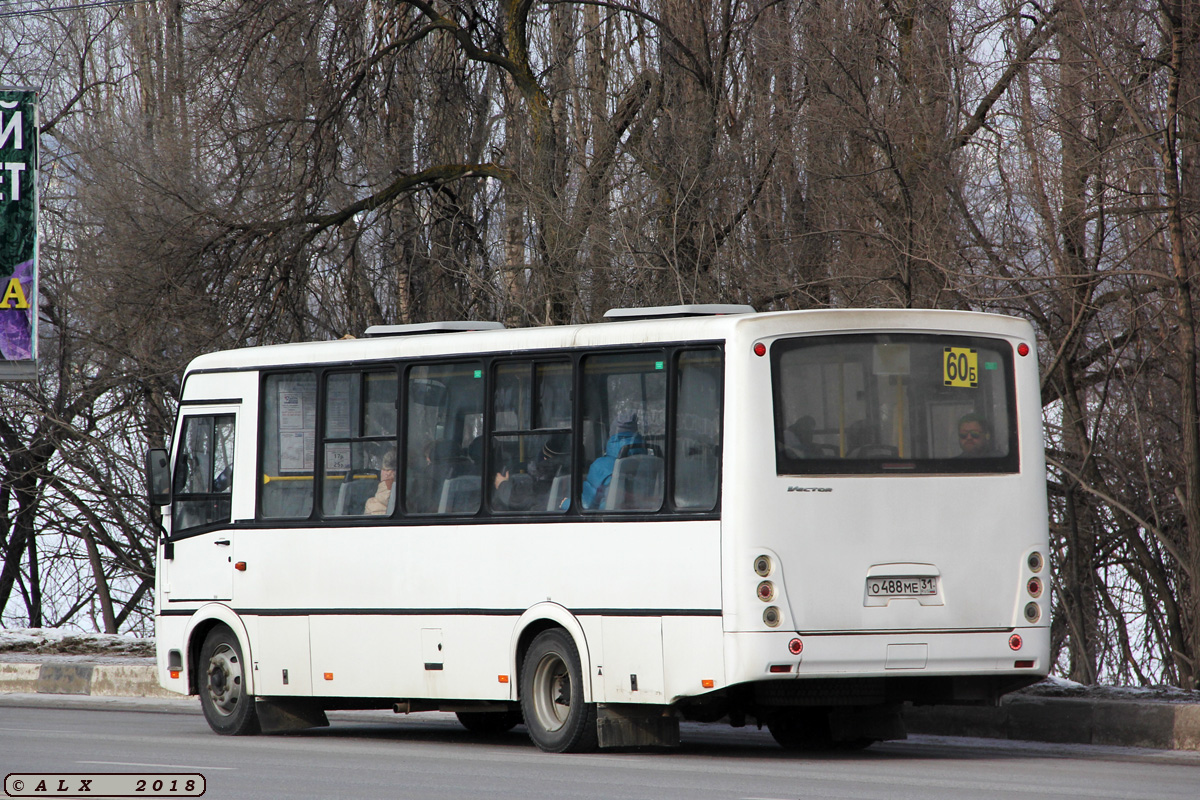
(1014, 641)
(795, 647)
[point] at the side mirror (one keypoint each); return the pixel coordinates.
(158, 477)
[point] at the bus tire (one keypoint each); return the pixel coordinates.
(800, 730)
(228, 707)
(489, 723)
(556, 716)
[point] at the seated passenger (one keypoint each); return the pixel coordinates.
(442, 460)
(798, 438)
(520, 495)
(625, 434)
(975, 437)
(387, 478)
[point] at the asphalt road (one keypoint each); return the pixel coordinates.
(375, 754)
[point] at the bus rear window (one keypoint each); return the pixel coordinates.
(893, 403)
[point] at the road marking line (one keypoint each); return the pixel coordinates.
(164, 766)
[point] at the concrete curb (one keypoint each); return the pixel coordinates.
(1061, 720)
(99, 680)
(1066, 720)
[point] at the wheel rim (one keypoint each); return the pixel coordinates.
(224, 680)
(551, 692)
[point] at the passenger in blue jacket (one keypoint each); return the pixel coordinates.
(625, 432)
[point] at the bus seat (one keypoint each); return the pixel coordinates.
(460, 495)
(696, 481)
(636, 485)
(874, 451)
(285, 499)
(560, 490)
(353, 495)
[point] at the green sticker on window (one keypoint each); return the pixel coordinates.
(658, 365)
(478, 373)
(990, 365)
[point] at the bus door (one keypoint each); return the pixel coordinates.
(202, 488)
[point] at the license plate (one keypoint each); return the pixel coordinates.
(901, 587)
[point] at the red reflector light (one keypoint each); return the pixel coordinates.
(795, 647)
(760, 349)
(780, 668)
(1022, 665)
(240, 566)
(502, 678)
(707, 683)
(1015, 642)
(328, 676)
(1022, 349)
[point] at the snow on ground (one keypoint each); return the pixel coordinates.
(51, 641)
(1061, 687)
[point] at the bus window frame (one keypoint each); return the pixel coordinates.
(670, 353)
(185, 418)
(1008, 464)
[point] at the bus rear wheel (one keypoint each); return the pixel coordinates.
(489, 723)
(228, 707)
(801, 730)
(558, 719)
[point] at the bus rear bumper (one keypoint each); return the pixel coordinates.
(1003, 659)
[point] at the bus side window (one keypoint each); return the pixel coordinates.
(530, 452)
(359, 443)
(697, 429)
(203, 488)
(444, 400)
(624, 395)
(289, 442)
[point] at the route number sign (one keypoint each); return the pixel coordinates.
(960, 367)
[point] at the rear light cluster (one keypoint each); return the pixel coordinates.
(763, 567)
(1034, 587)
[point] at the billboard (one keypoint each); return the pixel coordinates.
(18, 233)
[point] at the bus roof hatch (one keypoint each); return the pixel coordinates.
(667, 312)
(418, 328)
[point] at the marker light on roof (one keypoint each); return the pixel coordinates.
(1022, 349)
(760, 349)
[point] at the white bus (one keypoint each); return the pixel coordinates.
(797, 519)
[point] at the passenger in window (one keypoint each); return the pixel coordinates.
(387, 478)
(975, 437)
(442, 461)
(798, 438)
(516, 494)
(625, 441)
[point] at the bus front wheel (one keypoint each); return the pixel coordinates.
(228, 707)
(558, 719)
